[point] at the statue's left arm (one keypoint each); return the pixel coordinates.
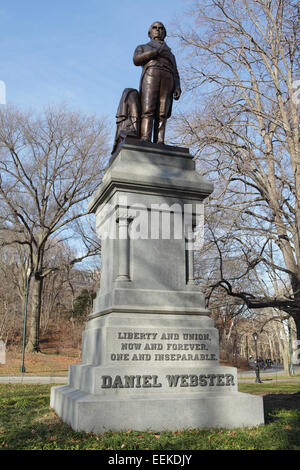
(177, 89)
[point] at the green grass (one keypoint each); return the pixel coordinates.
(27, 422)
(268, 387)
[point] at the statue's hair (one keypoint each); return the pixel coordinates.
(159, 23)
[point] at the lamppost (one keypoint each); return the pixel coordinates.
(257, 379)
(28, 276)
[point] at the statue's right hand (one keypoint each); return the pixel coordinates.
(143, 58)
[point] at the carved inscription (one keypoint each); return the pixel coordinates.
(162, 346)
(173, 381)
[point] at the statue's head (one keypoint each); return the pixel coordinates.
(157, 31)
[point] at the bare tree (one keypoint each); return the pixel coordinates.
(11, 293)
(50, 165)
(245, 133)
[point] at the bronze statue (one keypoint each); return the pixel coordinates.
(159, 84)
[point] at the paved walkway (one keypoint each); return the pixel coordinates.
(275, 374)
(33, 379)
(273, 379)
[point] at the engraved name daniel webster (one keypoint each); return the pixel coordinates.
(177, 380)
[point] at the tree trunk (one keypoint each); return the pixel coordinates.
(296, 317)
(296, 344)
(33, 344)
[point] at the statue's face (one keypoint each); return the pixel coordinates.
(157, 31)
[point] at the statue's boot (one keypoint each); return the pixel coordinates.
(146, 128)
(159, 131)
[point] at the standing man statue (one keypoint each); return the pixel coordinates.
(159, 83)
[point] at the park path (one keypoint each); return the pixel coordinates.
(33, 379)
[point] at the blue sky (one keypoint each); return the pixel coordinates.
(74, 51)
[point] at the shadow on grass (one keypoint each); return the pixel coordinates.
(282, 414)
(287, 401)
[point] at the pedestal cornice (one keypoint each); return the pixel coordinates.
(155, 169)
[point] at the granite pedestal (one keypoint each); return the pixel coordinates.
(150, 355)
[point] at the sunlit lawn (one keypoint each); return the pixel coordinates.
(27, 422)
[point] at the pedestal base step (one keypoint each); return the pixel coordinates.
(90, 413)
